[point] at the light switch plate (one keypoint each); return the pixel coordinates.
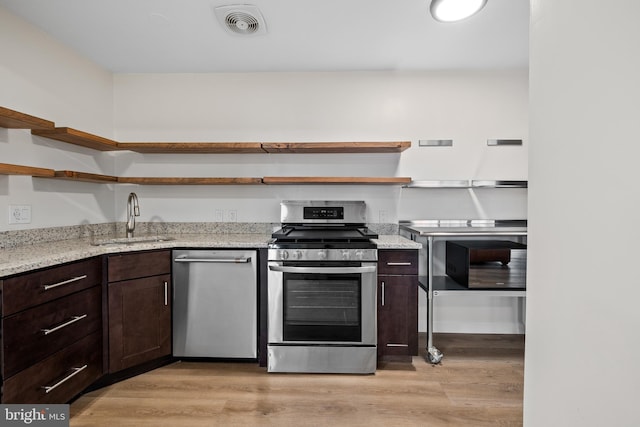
(19, 214)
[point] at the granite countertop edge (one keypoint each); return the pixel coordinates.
(26, 258)
(394, 241)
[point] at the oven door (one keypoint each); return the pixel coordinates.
(322, 303)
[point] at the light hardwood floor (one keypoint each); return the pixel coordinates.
(478, 383)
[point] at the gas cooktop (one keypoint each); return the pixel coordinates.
(316, 224)
(290, 238)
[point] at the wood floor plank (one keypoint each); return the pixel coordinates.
(464, 390)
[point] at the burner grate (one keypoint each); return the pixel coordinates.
(323, 235)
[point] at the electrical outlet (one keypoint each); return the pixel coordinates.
(218, 215)
(233, 215)
(384, 217)
(20, 214)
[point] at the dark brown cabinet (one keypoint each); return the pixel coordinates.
(397, 304)
(139, 300)
(51, 337)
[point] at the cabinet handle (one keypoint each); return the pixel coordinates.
(398, 264)
(397, 345)
(50, 388)
(74, 319)
(64, 282)
(383, 293)
(215, 260)
(166, 293)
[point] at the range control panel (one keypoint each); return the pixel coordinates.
(325, 212)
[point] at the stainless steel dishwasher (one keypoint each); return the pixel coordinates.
(215, 303)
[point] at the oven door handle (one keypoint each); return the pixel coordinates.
(323, 270)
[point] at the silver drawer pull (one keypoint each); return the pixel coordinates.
(215, 260)
(50, 388)
(398, 264)
(166, 293)
(74, 319)
(397, 345)
(65, 282)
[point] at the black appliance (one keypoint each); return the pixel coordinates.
(487, 264)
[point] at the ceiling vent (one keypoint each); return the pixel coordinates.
(241, 19)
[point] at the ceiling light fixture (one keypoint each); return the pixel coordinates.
(455, 10)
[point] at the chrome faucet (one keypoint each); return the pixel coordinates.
(133, 210)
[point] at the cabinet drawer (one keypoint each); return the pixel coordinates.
(135, 265)
(32, 335)
(66, 373)
(31, 289)
(400, 262)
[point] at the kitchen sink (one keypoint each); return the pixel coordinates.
(132, 240)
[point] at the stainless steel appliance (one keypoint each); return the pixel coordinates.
(215, 303)
(322, 290)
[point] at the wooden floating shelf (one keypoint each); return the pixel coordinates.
(40, 127)
(188, 181)
(106, 179)
(11, 119)
(44, 128)
(8, 169)
(86, 177)
(73, 136)
(283, 180)
(336, 147)
(192, 147)
(77, 137)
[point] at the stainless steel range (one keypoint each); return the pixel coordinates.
(322, 289)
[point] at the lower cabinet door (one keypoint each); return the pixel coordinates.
(139, 321)
(60, 377)
(397, 316)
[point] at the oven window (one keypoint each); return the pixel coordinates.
(322, 307)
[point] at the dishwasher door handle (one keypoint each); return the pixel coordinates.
(215, 260)
(323, 270)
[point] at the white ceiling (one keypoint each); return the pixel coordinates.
(166, 36)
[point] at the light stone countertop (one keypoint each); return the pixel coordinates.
(32, 257)
(394, 241)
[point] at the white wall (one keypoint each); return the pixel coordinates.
(469, 107)
(581, 361)
(40, 77)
